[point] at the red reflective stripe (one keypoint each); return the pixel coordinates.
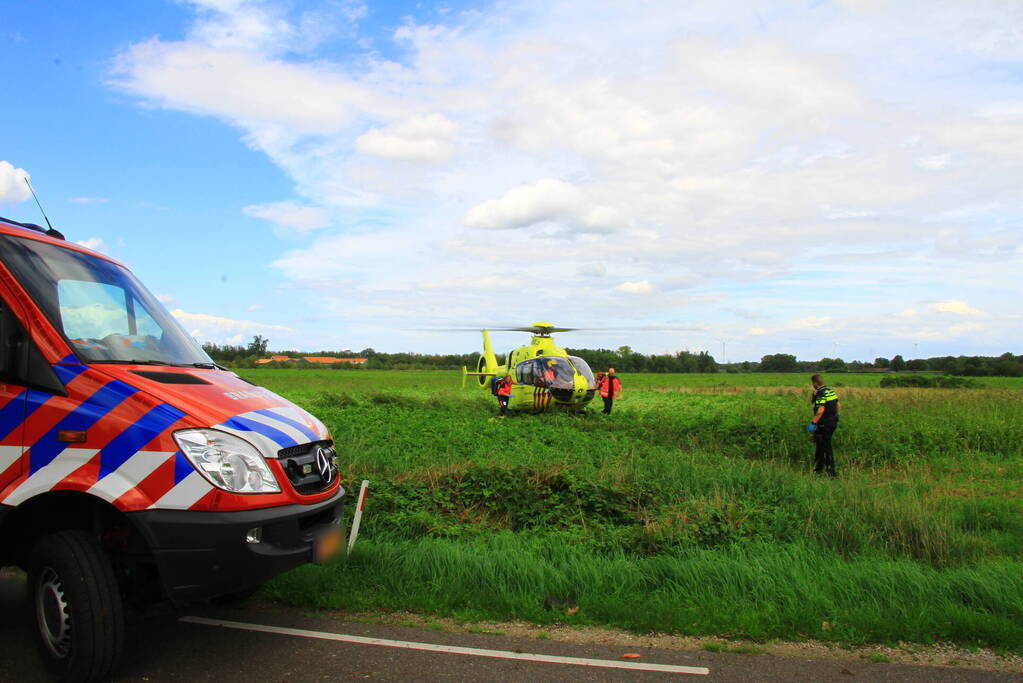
(81, 479)
(48, 415)
(206, 502)
(152, 488)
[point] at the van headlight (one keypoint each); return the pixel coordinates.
(230, 463)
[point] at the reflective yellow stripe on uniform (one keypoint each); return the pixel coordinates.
(827, 396)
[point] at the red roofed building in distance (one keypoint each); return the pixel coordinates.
(317, 360)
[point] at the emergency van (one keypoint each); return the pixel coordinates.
(133, 469)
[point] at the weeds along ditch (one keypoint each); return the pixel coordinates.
(691, 509)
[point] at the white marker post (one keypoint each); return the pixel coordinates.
(361, 503)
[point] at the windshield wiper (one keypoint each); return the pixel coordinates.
(130, 362)
(204, 366)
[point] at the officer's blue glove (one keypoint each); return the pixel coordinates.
(811, 428)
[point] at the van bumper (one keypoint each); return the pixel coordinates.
(202, 555)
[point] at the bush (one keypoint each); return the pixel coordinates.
(923, 381)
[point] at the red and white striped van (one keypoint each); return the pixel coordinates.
(133, 468)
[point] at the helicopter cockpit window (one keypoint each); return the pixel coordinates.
(583, 369)
(549, 372)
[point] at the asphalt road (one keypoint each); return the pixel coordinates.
(167, 649)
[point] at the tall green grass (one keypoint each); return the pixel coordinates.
(757, 591)
(692, 508)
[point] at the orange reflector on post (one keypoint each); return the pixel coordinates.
(71, 435)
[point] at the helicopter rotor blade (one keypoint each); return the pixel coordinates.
(543, 329)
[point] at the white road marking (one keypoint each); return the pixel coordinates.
(451, 649)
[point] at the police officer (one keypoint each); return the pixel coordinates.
(610, 388)
(823, 425)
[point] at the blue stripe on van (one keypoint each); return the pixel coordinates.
(182, 467)
(12, 415)
(66, 373)
(70, 358)
(128, 442)
(276, 435)
(88, 413)
(309, 434)
(17, 410)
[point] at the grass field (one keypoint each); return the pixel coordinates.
(691, 509)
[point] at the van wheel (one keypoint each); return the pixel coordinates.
(77, 605)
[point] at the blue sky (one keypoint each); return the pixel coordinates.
(813, 178)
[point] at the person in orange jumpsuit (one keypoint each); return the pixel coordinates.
(610, 388)
(504, 390)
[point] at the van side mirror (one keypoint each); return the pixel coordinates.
(9, 344)
(20, 361)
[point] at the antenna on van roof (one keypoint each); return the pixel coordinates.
(51, 232)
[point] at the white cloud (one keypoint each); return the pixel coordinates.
(422, 138)
(94, 243)
(88, 200)
(957, 307)
(245, 88)
(205, 327)
(12, 183)
(546, 200)
(291, 215)
(255, 307)
(811, 322)
(262, 26)
(642, 287)
(691, 145)
(592, 270)
(935, 162)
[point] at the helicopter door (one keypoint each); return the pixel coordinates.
(584, 369)
(547, 372)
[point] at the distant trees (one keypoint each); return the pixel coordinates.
(832, 365)
(257, 347)
(625, 359)
(778, 362)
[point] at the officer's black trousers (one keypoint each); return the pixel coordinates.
(824, 457)
(608, 402)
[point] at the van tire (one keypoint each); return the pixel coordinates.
(77, 607)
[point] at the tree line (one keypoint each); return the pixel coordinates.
(1005, 365)
(624, 359)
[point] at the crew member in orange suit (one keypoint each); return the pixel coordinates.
(610, 388)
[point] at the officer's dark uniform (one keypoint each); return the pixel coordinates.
(824, 457)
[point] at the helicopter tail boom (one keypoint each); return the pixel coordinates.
(488, 353)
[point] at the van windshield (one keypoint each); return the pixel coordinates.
(104, 312)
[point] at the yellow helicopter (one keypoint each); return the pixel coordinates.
(544, 376)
